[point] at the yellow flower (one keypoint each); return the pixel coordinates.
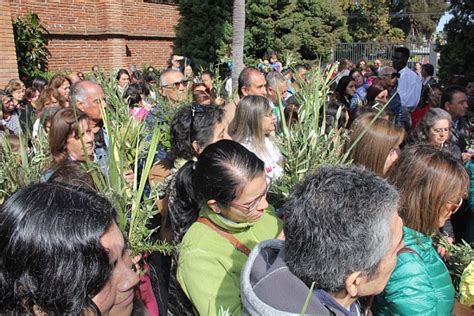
(466, 286)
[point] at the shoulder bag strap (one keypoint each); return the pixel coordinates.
(237, 244)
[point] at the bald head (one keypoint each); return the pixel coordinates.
(386, 70)
(388, 76)
(73, 77)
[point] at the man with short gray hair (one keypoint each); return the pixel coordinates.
(88, 97)
(389, 78)
(342, 233)
(173, 86)
(277, 87)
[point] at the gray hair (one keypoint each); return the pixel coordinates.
(78, 92)
(384, 70)
(162, 81)
(273, 79)
(430, 119)
(338, 222)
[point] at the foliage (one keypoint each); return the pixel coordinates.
(458, 257)
(128, 144)
(30, 43)
(466, 286)
(308, 145)
(309, 29)
(201, 30)
(418, 19)
(457, 54)
(131, 144)
(23, 167)
(368, 20)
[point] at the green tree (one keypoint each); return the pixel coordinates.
(307, 28)
(418, 19)
(30, 44)
(367, 20)
(203, 30)
(457, 53)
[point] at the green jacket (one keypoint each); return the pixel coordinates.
(420, 283)
(209, 266)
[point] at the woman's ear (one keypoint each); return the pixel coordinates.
(197, 149)
(213, 206)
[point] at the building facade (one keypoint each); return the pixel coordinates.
(83, 33)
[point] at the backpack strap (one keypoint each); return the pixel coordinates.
(237, 244)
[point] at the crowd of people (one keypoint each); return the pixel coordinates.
(347, 240)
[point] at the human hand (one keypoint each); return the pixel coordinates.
(466, 157)
(441, 250)
(129, 177)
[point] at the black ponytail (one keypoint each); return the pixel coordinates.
(220, 173)
(183, 209)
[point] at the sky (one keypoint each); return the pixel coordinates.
(444, 19)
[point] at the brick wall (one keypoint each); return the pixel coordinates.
(8, 66)
(110, 33)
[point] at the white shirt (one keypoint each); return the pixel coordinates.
(272, 158)
(409, 88)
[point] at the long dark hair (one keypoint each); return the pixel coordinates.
(341, 91)
(220, 173)
(50, 252)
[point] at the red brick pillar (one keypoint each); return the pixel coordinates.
(8, 65)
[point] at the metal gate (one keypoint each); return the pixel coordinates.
(371, 51)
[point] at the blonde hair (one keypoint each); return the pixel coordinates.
(427, 178)
(375, 145)
(248, 122)
(13, 85)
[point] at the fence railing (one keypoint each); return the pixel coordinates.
(383, 51)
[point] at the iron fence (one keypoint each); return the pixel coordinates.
(371, 51)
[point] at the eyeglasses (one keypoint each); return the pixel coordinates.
(248, 207)
(440, 130)
(455, 206)
(7, 99)
(392, 75)
(176, 85)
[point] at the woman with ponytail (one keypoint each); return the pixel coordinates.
(221, 207)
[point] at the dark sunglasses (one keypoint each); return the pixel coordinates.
(176, 85)
(393, 75)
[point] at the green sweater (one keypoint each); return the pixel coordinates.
(420, 283)
(209, 266)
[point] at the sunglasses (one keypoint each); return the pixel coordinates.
(176, 85)
(392, 75)
(248, 207)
